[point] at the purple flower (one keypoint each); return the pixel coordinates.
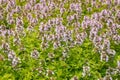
(118, 64)
(108, 2)
(17, 41)
(15, 61)
(116, 2)
(74, 78)
(51, 55)
(72, 6)
(49, 72)
(111, 52)
(86, 71)
(28, 7)
(56, 44)
(18, 9)
(107, 77)
(5, 46)
(62, 10)
(104, 57)
(11, 55)
(19, 22)
(29, 16)
(35, 54)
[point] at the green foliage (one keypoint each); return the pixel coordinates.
(78, 56)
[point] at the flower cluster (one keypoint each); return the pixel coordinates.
(111, 71)
(86, 71)
(35, 54)
(55, 25)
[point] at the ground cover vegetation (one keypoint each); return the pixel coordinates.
(59, 39)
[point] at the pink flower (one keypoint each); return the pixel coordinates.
(108, 2)
(72, 6)
(62, 10)
(29, 16)
(12, 3)
(11, 21)
(78, 8)
(109, 22)
(28, 6)
(18, 9)
(104, 12)
(42, 1)
(34, 21)
(93, 3)
(51, 5)
(32, 2)
(70, 18)
(116, 2)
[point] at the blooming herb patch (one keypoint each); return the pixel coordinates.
(59, 39)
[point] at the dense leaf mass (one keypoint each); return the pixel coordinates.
(59, 39)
